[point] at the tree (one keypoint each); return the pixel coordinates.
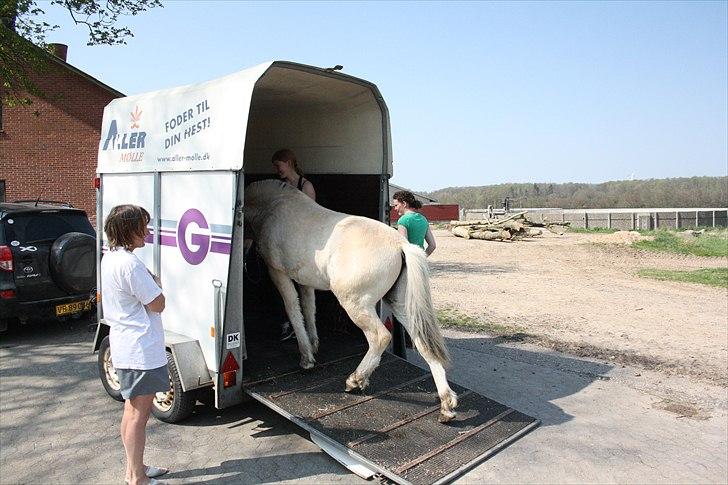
(23, 49)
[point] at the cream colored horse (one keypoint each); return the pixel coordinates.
(361, 261)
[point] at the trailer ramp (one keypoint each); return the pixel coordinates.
(392, 426)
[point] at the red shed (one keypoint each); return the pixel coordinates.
(434, 212)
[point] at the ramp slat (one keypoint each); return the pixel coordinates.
(403, 468)
(364, 399)
(401, 422)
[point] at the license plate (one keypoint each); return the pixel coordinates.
(74, 307)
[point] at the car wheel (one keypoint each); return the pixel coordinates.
(174, 405)
(107, 373)
(73, 262)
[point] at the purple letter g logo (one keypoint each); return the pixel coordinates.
(201, 241)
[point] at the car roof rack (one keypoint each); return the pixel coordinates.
(40, 201)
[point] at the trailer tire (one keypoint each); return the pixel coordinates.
(107, 373)
(174, 405)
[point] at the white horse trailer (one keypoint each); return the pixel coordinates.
(186, 154)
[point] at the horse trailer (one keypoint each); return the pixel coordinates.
(186, 154)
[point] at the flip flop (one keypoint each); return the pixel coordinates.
(152, 481)
(154, 472)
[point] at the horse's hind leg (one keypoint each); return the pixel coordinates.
(378, 337)
(448, 397)
(293, 310)
(308, 305)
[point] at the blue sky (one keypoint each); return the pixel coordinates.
(478, 93)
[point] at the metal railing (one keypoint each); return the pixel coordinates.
(624, 218)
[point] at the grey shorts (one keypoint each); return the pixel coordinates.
(136, 382)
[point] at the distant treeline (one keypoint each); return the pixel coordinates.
(671, 192)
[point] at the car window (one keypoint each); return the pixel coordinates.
(27, 228)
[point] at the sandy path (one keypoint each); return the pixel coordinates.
(581, 292)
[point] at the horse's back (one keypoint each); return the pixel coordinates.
(323, 248)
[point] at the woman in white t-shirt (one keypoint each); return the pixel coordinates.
(132, 299)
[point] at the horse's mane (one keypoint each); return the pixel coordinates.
(271, 189)
(271, 192)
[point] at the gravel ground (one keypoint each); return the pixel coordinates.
(579, 293)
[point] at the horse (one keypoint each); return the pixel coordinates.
(361, 261)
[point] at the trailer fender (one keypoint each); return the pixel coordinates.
(102, 330)
(189, 360)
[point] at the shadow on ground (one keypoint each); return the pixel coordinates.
(437, 267)
(530, 381)
(49, 381)
(524, 379)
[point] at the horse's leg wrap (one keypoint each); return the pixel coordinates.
(308, 304)
(448, 398)
(293, 309)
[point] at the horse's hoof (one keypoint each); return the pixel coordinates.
(450, 398)
(307, 363)
(351, 384)
(354, 382)
(446, 416)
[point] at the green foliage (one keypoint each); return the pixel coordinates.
(708, 244)
(23, 50)
(712, 276)
(671, 192)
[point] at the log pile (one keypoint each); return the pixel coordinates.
(512, 228)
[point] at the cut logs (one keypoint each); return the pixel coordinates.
(512, 228)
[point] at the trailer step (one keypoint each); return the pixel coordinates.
(392, 426)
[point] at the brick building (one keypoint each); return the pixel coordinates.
(48, 149)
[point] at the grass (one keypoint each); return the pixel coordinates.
(713, 243)
(450, 318)
(711, 276)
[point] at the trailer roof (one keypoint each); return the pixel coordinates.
(334, 122)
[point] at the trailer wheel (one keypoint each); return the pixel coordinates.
(107, 373)
(174, 405)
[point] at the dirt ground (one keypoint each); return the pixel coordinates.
(579, 293)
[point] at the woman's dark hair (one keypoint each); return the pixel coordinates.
(123, 223)
(286, 155)
(408, 198)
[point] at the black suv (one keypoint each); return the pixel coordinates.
(47, 261)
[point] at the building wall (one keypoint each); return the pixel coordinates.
(434, 213)
(49, 148)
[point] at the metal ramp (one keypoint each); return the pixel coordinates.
(392, 427)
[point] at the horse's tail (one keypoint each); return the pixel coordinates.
(418, 309)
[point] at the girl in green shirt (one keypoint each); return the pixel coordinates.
(411, 224)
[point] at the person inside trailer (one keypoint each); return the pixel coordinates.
(285, 166)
